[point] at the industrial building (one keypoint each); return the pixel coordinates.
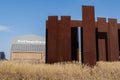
(28, 48)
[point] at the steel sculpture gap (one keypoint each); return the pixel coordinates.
(100, 39)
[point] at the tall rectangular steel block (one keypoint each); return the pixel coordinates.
(75, 44)
(64, 39)
(51, 25)
(89, 37)
(113, 48)
(102, 39)
(66, 22)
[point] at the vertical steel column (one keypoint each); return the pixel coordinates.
(102, 41)
(64, 39)
(51, 25)
(113, 54)
(89, 37)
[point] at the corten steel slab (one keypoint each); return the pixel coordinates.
(102, 25)
(51, 25)
(89, 37)
(61, 42)
(78, 23)
(64, 39)
(102, 50)
(75, 44)
(113, 54)
(65, 22)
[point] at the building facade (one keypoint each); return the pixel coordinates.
(28, 48)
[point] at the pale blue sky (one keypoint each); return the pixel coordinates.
(23, 17)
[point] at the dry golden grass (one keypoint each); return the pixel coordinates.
(61, 71)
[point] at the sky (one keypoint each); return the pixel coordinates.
(24, 17)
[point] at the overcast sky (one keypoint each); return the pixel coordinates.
(23, 17)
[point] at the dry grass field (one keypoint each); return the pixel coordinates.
(60, 71)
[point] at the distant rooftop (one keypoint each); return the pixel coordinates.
(28, 39)
(28, 43)
(27, 48)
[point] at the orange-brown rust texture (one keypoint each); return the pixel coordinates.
(99, 40)
(64, 39)
(51, 25)
(89, 38)
(113, 48)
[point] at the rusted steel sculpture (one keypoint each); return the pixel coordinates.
(89, 37)
(99, 39)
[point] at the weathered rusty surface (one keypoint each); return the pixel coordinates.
(65, 22)
(61, 41)
(78, 23)
(102, 25)
(51, 26)
(89, 38)
(113, 40)
(75, 44)
(102, 49)
(97, 37)
(64, 39)
(102, 39)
